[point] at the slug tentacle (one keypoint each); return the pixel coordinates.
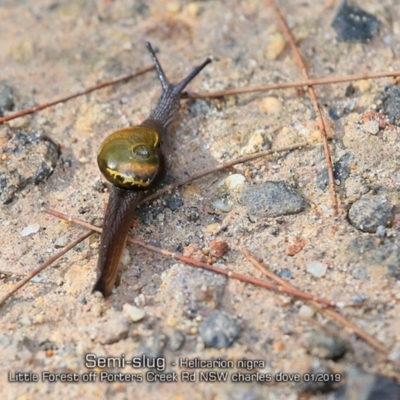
(131, 159)
(169, 103)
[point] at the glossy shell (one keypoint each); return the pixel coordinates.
(130, 158)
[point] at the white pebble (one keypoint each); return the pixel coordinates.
(234, 181)
(271, 105)
(134, 313)
(221, 205)
(126, 257)
(30, 230)
(316, 268)
(25, 321)
(306, 312)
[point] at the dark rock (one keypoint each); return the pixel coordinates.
(6, 98)
(389, 104)
(176, 340)
(322, 345)
(29, 159)
(352, 24)
(341, 170)
(192, 214)
(175, 202)
(272, 199)
(364, 386)
(153, 346)
(285, 273)
(219, 329)
(370, 212)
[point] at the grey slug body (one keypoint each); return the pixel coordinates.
(131, 159)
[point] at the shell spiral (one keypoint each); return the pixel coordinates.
(130, 158)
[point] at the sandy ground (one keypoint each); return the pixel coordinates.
(49, 49)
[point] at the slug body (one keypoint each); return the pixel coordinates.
(132, 161)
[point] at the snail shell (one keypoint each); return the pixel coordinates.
(130, 158)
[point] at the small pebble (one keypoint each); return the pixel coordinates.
(193, 9)
(38, 155)
(306, 312)
(6, 98)
(218, 248)
(113, 330)
(321, 344)
(153, 346)
(25, 321)
(219, 329)
(352, 24)
(275, 47)
(60, 281)
(30, 230)
(316, 268)
(371, 127)
(221, 205)
(140, 300)
(370, 212)
(126, 258)
(18, 122)
(271, 105)
(234, 181)
(39, 319)
(173, 7)
(134, 313)
(285, 273)
(272, 199)
(213, 228)
(61, 242)
(176, 340)
(390, 104)
(257, 142)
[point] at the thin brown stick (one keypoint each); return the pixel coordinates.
(244, 278)
(100, 85)
(332, 313)
(224, 166)
(314, 101)
(289, 85)
(41, 267)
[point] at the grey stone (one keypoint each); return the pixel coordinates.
(352, 24)
(113, 330)
(219, 329)
(272, 199)
(361, 385)
(31, 159)
(176, 340)
(7, 98)
(370, 212)
(153, 346)
(322, 345)
(389, 104)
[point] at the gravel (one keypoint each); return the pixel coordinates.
(219, 329)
